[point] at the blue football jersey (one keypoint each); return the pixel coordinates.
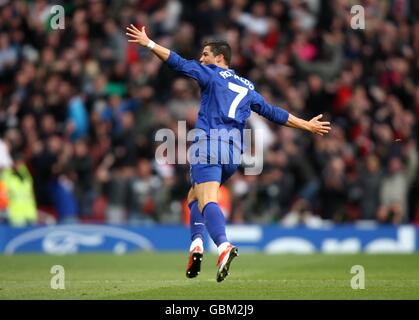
(226, 98)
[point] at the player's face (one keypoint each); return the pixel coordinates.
(207, 57)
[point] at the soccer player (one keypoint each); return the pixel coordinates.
(226, 103)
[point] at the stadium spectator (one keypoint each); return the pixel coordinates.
(114, 178)
(301, 213)
(395, 185)
(144, 194)
(21, 206)
(5, 163)
(82, 172)
(334, 190)
(371, 177)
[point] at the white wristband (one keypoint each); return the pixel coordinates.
(151, 44)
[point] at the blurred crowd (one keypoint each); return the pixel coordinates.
(79, 108)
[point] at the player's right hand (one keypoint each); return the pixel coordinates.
(137, 36)
(319, 127)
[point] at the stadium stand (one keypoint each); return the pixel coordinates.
(81, 106)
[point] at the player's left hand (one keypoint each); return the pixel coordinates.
(138, 36)
(319, 127)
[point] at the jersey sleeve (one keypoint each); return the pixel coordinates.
(190, 68)
(272, 113)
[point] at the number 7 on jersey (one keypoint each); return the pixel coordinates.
(242, 91)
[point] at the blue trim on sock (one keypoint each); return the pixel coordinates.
(190, 204)
(197, 230)
(203, 209)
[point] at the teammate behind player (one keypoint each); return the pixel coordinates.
(226, 103)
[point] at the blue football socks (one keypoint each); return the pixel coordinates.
(197, 221)
(215, 222)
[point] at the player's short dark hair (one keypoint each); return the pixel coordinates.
(220, 47)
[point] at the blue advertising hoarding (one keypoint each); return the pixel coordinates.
(78, 238)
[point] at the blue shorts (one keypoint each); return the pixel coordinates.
(217, 163)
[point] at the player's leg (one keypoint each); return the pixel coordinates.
(207, 194)
(226, 255)
(207, 178)
(197, 223)
(197, 228)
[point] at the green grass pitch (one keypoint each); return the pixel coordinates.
(148, 276)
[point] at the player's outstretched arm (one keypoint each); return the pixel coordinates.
(190, 68)
(142, 39)
(314, 125)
